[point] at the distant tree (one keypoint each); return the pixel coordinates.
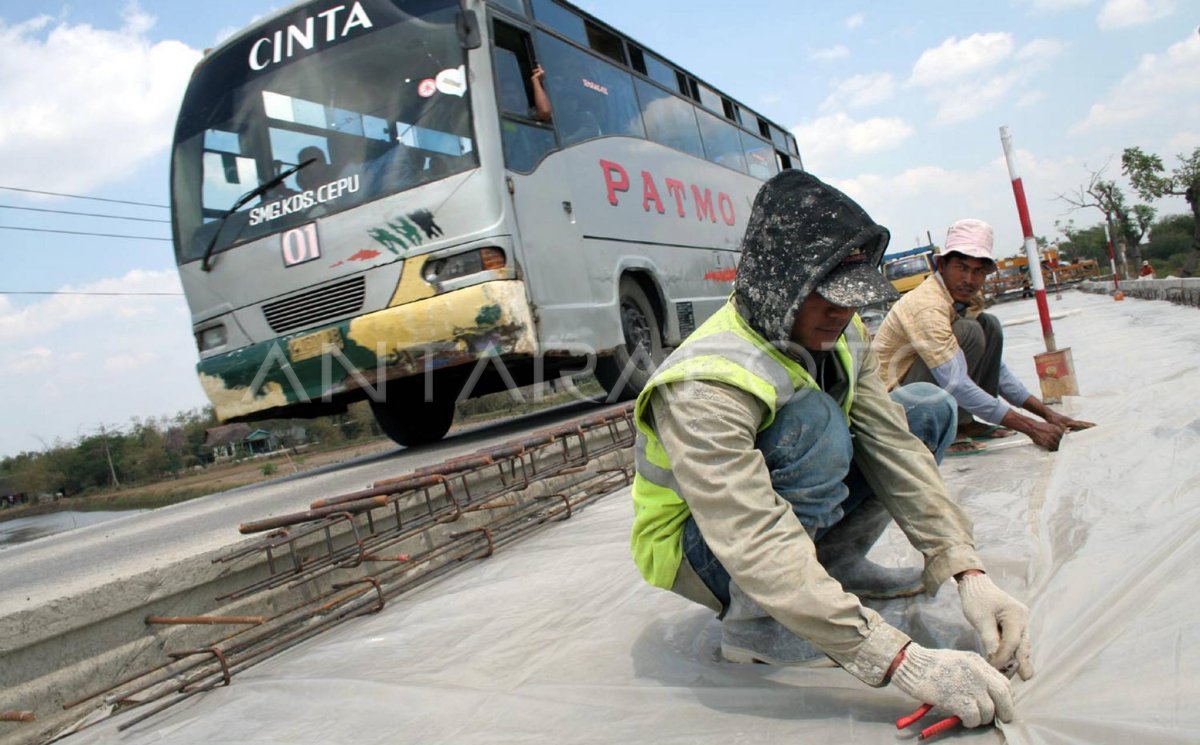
(1171, 242)
(146, 451)
(32, 473)
(1136, 224)
(324, 431)
(44, 476)
(196, 424)
(175, 442)
(1083, 243)
(1125, 223)
(1147, 175)
(86, 465)
(360, 421)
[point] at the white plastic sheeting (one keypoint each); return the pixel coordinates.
(558, 640)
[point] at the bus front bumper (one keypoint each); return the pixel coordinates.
(358, 355)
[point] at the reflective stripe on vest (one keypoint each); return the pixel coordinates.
(727, 350)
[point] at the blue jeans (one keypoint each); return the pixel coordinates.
(810, 455)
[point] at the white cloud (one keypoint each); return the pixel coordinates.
(1163, 87)
(965, 102)
(92, 359)
(103, 101)
(1183, 142)
(968, 77)
(955, 59)
(1031, 98)
(831, 139)
(1118, 14)
(855, 20)
(1050, 7)
(224, 34)
(129, 362)
(28, 361)
(57, 311)
(1041, 50)
(830, 54)
(928, 198)
(860, 91)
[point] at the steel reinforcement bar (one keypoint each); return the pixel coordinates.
(349, 554)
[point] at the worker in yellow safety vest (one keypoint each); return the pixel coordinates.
(770, 458)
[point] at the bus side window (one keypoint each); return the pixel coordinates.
(513, 95)
(513, 58)
(670, 120)
(591, 97)
(760, 157)
(524, 143)
(722, 144)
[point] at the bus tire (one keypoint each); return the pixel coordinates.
(624, 373)
(411, 420)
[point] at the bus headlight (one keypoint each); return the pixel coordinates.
(460, 265)
(211, 337)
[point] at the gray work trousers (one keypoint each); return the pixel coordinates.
(982, 342)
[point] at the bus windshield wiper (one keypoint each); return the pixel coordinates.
(257, 191)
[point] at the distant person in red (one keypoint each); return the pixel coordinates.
(1147, 271)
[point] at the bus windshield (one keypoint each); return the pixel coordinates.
(381, 108)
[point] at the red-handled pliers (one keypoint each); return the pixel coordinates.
(931, 731)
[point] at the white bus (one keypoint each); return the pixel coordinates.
(367, 205)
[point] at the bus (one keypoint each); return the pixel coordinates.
(907, 269)
(367, 204)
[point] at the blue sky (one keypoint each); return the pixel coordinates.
(899, 104)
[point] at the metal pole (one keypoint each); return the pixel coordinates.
(1112, 263)
(1031, 252)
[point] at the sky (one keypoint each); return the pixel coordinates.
(898, 104)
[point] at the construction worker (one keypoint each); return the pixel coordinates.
(770, 458)
(938, 333)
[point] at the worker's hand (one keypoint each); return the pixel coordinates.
(538, 74)
(1044, 434)
(1066, 422)
(958, 683)
(1001, 620)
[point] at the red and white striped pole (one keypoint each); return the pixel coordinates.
(1112, 263)
(1031, 252)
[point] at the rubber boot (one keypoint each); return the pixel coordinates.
(843, 553)
(748, 634)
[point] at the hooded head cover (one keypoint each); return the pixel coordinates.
(805, 236)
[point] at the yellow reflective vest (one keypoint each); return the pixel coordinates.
(725, 349)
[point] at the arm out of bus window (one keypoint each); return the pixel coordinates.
(541, 102)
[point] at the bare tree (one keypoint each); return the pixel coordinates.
(1105, 196)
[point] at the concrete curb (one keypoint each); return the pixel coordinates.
(1178, 291)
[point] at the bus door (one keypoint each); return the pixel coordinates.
(538, 181)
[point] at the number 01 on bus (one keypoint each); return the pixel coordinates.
(414, 201)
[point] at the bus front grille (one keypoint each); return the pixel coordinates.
(314, 306)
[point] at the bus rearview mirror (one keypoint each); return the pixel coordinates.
(467, 25)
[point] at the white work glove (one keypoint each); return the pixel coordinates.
(958, 683)
(1002, 623)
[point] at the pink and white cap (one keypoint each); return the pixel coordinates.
(970, 237)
